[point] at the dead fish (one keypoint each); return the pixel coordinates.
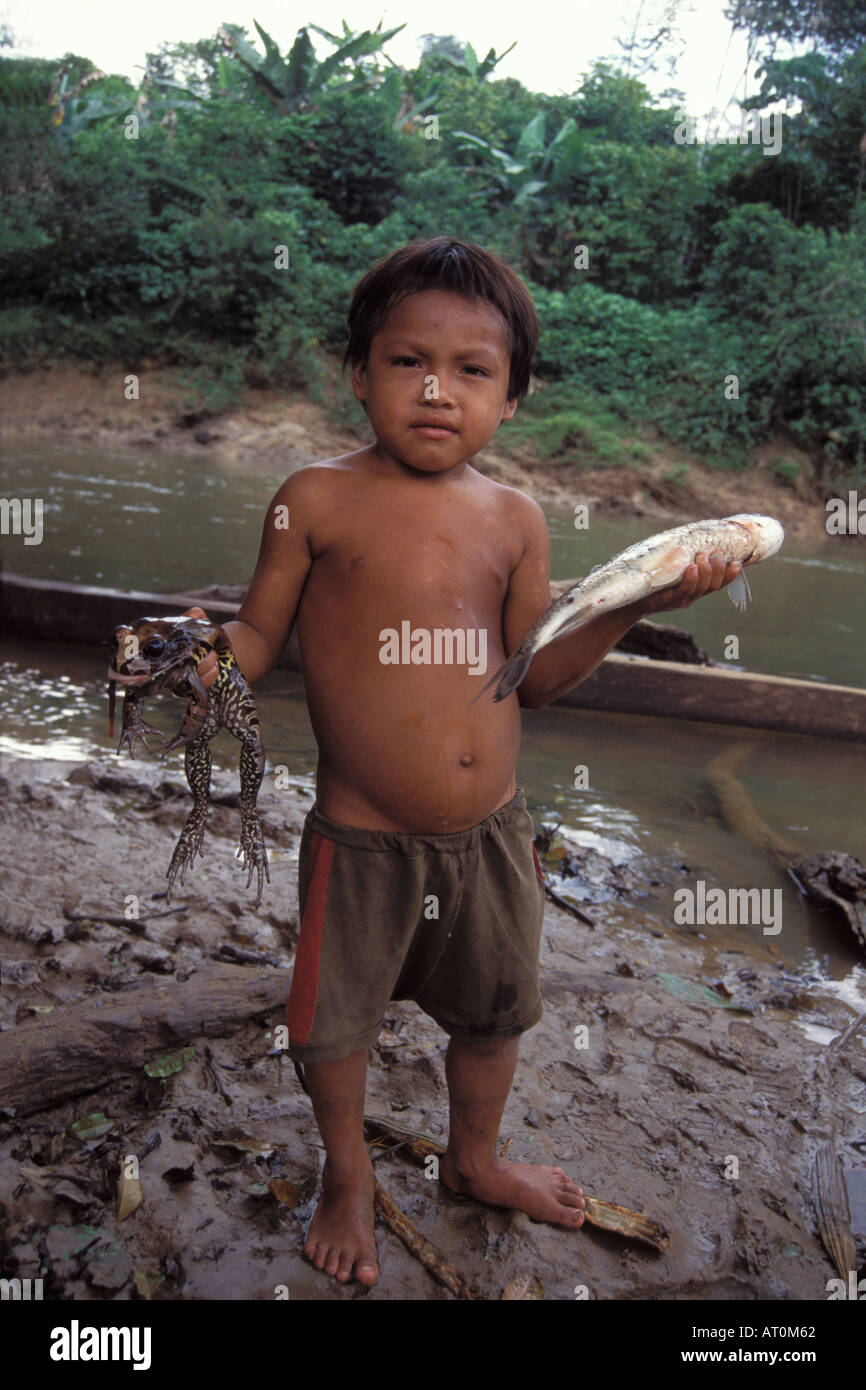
(656, 563)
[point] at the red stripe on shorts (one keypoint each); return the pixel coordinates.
(305, 978)
(537, 864)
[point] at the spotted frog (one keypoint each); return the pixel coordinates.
(153, 655)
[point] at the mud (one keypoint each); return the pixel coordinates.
(650, 1114)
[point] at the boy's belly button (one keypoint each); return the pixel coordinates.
(467, 759)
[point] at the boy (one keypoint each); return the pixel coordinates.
(417, 872)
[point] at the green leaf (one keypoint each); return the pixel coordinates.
(531, 140)
(528, 191)
(167, 1063)
(693, 992)
(92, 1126)
(300, 65)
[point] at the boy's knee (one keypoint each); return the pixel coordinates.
(490, 1047)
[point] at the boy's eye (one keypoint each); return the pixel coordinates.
(475, 369)
(398, 361)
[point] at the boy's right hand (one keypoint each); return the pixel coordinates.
(207, 669)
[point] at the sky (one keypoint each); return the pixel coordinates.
(557, 40)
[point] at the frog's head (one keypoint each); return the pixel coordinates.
(153, 652)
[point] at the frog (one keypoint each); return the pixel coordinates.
(153, 655)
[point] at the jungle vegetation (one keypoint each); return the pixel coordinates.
(143, 224)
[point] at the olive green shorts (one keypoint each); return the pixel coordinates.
(451, 921)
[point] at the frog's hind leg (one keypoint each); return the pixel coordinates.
(252, 846)
(197, 763)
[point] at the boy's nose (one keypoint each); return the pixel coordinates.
(436, 390)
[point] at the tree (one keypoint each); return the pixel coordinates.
(839, 25)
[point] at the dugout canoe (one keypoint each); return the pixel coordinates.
(45, 609)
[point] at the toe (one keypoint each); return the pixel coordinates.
(368, 1272)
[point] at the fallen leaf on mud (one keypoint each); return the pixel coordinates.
(691, 992)
(72, 1193)
(110, 1269)
(167, 1063)
(259, 1189)
(129, 1197)
(522, 1288)
(251, 1146)
(42, 1177)
(284, 1191)
(147, 1281)
(179, 1175)
(92, 1126)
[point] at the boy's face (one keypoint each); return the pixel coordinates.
(436, 380)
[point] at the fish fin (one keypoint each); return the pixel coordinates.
(508, 676)
(738, 591)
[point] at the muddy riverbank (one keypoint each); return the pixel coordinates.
(664, 1103)
(286, 430)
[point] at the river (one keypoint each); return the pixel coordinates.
(163, 522)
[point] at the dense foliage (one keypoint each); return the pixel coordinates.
(147, 224)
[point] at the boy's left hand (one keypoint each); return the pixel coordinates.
(705, 576)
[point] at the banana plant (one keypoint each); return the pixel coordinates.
(291, 82)
(468, 62)
(518, 174)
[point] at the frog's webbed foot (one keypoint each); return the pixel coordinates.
(138, 731)
(197, 762)
(186, 849)
(255, 856)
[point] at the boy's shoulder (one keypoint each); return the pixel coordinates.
(313, 478)
(516, 504)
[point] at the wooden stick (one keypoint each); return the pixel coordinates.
(420, 1246)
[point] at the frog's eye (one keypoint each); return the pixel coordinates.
(154, 646)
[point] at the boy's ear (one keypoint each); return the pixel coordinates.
(509, 408)
(359, 381)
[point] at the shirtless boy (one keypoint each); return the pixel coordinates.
(416, 801)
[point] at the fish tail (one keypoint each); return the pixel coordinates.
(509, 676)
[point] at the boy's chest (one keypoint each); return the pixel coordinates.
(416, 553)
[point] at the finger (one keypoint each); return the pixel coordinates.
(718, 567)
(207, 670)
(689, 586)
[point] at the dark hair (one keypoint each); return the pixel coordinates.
(443, 263)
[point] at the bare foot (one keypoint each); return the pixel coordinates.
(545, 1194)
(340, 1237)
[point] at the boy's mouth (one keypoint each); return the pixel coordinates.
(431, 431)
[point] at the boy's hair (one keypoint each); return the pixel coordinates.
(443, 263)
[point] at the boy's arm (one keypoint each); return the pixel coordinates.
(569, 660)
(259, 633)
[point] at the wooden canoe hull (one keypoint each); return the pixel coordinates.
(51, 611)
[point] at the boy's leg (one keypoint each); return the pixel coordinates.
(479, 1078)
(340, 1239)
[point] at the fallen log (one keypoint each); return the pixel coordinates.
(834, 879)
(80, 1047)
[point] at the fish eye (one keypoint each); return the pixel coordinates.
(154, 646)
